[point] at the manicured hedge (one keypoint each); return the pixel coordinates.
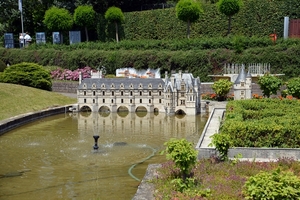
(263, 123)
(283, 59)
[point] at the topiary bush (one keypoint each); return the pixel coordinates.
(276, 185)
(222, 88)
(28, 74)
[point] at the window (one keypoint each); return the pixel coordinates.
(149, 100)
(103, 93)
(130, 93)
(93, 100)
(149, 93)
(141, 93)
(122, 93)
(84, 100)
(159, 93)
(84, 93)
(122, 100)
(242, 92)
(112, 93)
(159, 100)
(141, 101)
(94, 93)
(182, 86)
(130, 100)
(112, 101)
(182, 94)
(242, 84)
(182, 102)
(103, 100)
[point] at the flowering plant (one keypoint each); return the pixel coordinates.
(66, 74)
(256, 96)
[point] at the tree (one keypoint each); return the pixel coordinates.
(269, 84)
(229, 8)
(27, 74)
(58, 19)
(115, 15)
(85, 16)
(188, 11)
(222, 88)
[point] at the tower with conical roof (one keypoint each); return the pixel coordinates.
(242, 85)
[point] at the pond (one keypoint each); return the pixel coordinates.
(53, 158)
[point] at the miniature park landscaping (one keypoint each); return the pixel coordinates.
(257, 122)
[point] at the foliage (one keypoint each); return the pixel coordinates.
(182, 153)
(27, 74)
(188, 11)
(276, 184)
(225, 180)
(201, 57)
(66, 74)
(263, 123)
(85, 16)
(58, 19)
(2, 66)
(229, 8)
(115, 15)
(269, 84)
(222, 87)
(222, 142)
(293, 87)
(213, 97)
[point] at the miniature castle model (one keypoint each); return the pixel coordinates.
(179, 93)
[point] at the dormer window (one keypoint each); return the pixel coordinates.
(141, 86)
(242, 83)
(159, 86)
(84, 85)
(94, 85)
(131, 86)
(122, 85)
(103, 85)
(182, 86)
(112, 86)
(150, 86)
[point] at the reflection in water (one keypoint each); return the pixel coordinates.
(53, 158)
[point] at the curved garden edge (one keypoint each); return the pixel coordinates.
(19, 120)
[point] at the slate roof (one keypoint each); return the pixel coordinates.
(155, 82)
(241, 77)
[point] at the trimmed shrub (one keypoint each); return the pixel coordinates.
(276, 185)
(293, 87)
(28, 74)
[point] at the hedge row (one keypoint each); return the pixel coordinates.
(257, 17)
(282, 59)
(263, 123)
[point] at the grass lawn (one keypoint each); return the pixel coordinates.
(18, 99)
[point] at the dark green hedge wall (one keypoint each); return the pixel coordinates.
(257, 17)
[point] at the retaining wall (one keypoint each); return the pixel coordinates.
(17, 121)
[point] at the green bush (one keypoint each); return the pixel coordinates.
(183, 154)
(275, 185)
(269, 84)
(222, 88)
(293, 87)
(28, 74)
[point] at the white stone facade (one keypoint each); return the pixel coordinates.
(179, 93)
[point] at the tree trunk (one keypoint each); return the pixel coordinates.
(86, 34)
(188, 29)
(229, 25)
(117, 35)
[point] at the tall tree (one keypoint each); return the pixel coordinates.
(115, 15)
(229, 8)
(188, 11)
(58, 19)
(85, 16)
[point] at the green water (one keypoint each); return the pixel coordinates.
(53, 158)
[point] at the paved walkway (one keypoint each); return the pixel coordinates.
(216, 110)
